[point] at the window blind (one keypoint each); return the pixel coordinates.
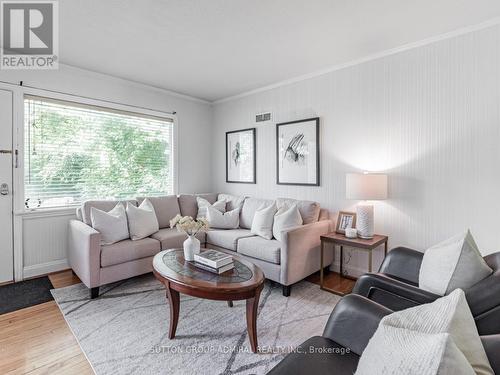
(75, 152)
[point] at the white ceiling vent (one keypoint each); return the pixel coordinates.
(263, 117)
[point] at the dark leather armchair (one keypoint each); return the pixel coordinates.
(351, 325)
(395, 286)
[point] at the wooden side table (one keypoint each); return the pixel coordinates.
(359, 243)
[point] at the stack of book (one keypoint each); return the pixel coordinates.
(214, 261)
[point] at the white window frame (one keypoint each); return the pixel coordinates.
(20, 213)
(19, 129)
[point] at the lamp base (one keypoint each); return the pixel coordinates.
(365, 238)
(364, 221)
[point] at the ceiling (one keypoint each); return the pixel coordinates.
(213, 49)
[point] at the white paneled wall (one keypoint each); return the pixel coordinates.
(45, 243)
(429, 117)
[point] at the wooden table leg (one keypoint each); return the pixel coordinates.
(370, 261)
(230, 303)
(252, 305)
(321, 265)
(174, 302)
(341, 260)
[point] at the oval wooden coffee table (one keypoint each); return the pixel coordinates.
(244, 282)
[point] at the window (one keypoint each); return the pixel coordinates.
(76, 152)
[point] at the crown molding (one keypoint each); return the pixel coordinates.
(140, 84)
(362, 60)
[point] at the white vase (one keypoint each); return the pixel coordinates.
(191, 247)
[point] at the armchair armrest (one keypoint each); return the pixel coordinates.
(84, 250)
(300, 251)
(353, 322)
(403, 263)
(390, 292)
(491, 344)
(484, 295)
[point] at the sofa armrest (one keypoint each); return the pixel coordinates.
(395, 294)
(491, 344)
(300, 251)
(84, 250)
(403, 263)
(353, 322)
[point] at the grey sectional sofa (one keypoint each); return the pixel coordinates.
(286, 262)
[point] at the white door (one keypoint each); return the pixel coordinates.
(6, 153)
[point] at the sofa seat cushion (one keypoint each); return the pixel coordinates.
(227, 238)
(318, 355)
(260, 248)
(128, 250)
(171, 238)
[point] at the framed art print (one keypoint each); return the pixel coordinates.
(297, 152)
(240, 156)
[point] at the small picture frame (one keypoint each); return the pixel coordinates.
(345, 220)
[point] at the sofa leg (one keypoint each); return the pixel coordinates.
(94, 292)
(286, 290)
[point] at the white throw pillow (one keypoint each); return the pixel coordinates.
(228, 220)
(309, 210)
(232, 201)
(262, 223)
(112, 225)
(142, 221)
(220, 205)
(286, 218)
(451, 264)
(435, 338)
(404, 352)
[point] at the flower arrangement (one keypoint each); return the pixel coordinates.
(189, 225)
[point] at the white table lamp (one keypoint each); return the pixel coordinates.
(365, 187)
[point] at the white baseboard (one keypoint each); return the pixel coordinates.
(45, 268)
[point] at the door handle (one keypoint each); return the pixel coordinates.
(5, 151)
(4, 189)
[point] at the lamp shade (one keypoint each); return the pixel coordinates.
(366, 186)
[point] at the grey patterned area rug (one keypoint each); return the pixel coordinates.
(125, 330)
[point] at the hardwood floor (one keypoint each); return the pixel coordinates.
(37, 340)
(333, 280)
(64, 278)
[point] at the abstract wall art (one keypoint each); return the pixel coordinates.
(297, 152)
